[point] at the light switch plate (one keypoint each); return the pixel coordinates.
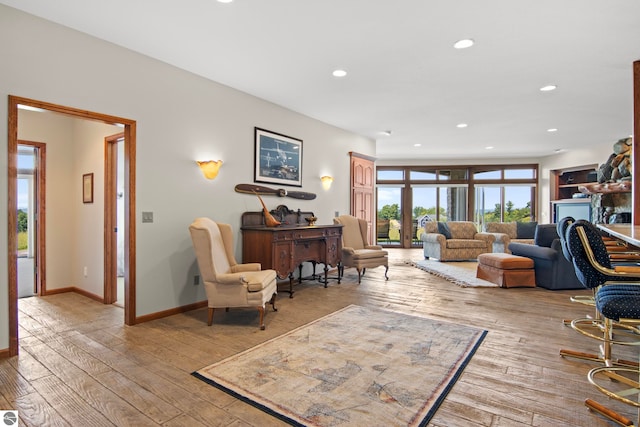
(147, 216)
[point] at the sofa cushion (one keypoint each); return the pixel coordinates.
(462, 229)
(526, 230)
(545, 235)
(505, 261)
(465, 244)
(527, 241)
(369, 253)
(508, 228)
(443, 229)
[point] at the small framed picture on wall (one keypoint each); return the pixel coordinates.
(87, 188)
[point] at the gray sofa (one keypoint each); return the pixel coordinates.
(553, 270)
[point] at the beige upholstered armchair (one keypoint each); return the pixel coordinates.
(227, 283)
(510, 232)
(356, 251)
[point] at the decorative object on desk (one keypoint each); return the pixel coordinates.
(311, 220)
(210, 168)
(278, 158)
(266, 191)
(364, 366)
(269, 220)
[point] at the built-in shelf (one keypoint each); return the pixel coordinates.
(565, 182)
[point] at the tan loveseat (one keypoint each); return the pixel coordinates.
(455, 241)
(510, 232)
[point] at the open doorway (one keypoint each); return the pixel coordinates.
(30, 198)
(129, 133)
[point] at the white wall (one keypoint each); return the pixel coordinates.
(88, 243)
(181, 118)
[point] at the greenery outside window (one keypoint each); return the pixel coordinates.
(476, 193)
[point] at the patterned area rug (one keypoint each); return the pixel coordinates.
(355, 367)
(460, 273)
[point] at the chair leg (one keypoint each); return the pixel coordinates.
(607, 413)
(210, 316)
(273, 301)
(603, 329)
(360, 272)
(261, 310)
(386, 269)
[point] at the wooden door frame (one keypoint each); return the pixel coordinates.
(12, 205)
(111, 217)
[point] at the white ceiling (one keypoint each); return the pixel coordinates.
(403, 73)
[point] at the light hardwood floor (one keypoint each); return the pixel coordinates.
(80, 366)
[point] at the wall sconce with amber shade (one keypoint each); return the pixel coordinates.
(210, 168)
(326, 181)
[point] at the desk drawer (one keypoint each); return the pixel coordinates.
(309, 234)
(308, 250)
(283, 236)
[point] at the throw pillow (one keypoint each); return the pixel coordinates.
(526, 230)
(443, 229)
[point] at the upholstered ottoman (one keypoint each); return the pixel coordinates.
(506, 270)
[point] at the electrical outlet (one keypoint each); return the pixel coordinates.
(337, 214)
(147, 216)
(196, 280)
(85, 271)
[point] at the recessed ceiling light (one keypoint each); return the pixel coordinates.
(462, 125)
(225, 1)
(463, 44)
(417, 145)
(339, 73)
(552, 130)
(488, 148)
(385, 132)
(548, 88)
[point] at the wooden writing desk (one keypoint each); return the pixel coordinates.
(286, 247)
